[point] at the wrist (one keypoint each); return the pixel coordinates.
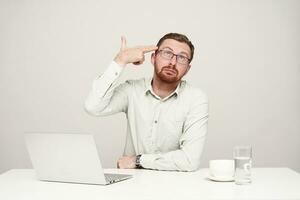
(120, 61)
(138, 162)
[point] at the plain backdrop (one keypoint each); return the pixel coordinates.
(246, 60)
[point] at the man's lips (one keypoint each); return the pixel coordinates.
(169, 71)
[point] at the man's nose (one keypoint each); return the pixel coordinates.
(173, 60)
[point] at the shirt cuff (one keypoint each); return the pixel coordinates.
(114, 70)
(104, 81)
(147, 160)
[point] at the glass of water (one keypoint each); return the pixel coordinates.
(243, 163)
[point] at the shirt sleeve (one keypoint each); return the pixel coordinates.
(187, 157)
(106, 96)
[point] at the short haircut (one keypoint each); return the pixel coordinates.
(180, 38)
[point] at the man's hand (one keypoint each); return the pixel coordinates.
(126, 162)
(135, 55)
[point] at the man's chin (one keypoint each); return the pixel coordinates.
(167, 75)
(168, 78)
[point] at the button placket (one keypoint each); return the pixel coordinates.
(155, 125)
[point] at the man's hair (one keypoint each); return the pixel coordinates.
(180, 38)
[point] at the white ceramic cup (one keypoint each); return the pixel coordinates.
(222, 169)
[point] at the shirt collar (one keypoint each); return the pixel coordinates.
(149, 89)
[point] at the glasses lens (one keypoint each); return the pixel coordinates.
(182, 59)
(167, 54)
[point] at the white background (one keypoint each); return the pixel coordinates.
(246, 60)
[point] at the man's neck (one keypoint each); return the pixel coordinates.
(163, 89)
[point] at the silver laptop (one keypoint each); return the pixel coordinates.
(69, 158)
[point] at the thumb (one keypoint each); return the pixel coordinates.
(123, 43)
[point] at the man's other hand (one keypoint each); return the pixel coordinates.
(126, 162)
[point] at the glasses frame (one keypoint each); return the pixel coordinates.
(162, 50)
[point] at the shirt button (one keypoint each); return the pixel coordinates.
(155, 121)
(116, 73)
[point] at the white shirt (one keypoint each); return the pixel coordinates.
(169, 133)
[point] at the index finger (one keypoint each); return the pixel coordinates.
(147, 49)
(123, 43)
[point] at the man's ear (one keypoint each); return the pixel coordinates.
(152, 58)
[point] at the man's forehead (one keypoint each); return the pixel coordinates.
(178, 47)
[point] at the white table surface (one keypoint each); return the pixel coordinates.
(268, 183)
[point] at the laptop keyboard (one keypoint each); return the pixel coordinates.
(112, 177)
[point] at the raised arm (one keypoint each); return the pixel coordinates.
(106, 96)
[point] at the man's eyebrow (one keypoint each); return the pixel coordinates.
(173, 50)
(167, 48)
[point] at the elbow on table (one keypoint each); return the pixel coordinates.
(191, 166)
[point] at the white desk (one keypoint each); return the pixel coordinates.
(268, 183)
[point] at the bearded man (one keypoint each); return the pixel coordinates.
(166, 117)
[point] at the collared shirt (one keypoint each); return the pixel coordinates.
(169, 133)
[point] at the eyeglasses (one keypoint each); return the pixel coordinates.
(167, 54)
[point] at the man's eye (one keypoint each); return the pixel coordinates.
(180, 57)
(169, 53)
